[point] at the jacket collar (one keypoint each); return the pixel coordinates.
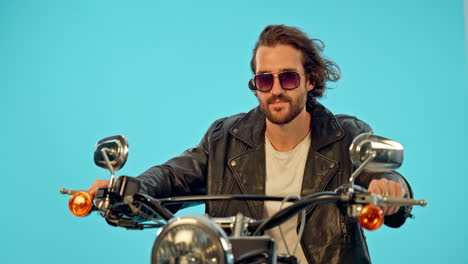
(325, 127)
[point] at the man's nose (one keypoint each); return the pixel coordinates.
(276, 89)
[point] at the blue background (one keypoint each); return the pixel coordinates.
(159, 72)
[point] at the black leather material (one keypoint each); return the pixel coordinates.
(230, 159)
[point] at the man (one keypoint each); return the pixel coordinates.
(289, 145)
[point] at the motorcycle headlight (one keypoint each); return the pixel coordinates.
(192, 240)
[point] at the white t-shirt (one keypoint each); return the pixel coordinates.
(284, 174)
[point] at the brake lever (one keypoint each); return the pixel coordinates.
(69, 192)
(385, 200)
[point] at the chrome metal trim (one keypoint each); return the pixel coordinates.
(116, 147)
(388, 153)
(205, 224)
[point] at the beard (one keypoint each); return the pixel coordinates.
(281, 116)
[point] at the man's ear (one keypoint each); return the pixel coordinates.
(310, 85)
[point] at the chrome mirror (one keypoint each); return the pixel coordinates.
(386, 154)
(375, 154)
(111, 153)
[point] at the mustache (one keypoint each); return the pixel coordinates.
(281, 97)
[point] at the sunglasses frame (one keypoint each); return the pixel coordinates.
(275, 76)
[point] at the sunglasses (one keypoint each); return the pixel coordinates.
(288, 80)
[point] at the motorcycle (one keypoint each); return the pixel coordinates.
(236, 239)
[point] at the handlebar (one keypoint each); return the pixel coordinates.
(343, 196)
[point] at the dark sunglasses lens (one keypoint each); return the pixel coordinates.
(264, 82)
(289, 80)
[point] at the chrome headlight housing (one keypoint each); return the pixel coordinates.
(192, 239)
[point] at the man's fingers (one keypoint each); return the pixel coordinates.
(392, 209)
(389, 210)
(386, 187)
(399, 192)
(375, 187)
(96, 185)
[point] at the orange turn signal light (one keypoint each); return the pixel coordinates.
(371, 217)
(80, 204)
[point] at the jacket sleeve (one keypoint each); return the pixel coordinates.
(179, 176)
(399, 218)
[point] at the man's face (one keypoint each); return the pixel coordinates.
(279, 105)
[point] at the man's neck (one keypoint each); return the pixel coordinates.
(287, 136)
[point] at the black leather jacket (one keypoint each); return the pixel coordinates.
(230, 159)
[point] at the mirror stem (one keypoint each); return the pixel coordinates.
(360, 169)
(109, 165)
(106, 202)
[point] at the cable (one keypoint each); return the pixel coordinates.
(301, 228)
(138, 210)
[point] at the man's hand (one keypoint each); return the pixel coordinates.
(96, 185)
(386, 187)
